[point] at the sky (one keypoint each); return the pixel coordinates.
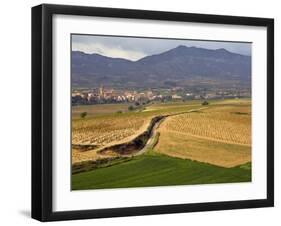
(132, 48)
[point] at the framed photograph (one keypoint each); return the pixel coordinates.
(146, 112)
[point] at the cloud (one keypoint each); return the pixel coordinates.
(133, 48)
(116, 52)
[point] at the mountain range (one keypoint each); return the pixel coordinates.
(178, 66)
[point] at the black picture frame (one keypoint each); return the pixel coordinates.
(42, 111)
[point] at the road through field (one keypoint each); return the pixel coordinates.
(172, 149)
(152, 139)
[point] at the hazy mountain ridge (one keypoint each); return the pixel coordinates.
(178, 65)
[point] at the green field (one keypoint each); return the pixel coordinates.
(158, 170)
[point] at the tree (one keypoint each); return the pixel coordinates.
(83, 114)
(205, 103)
(130, 108)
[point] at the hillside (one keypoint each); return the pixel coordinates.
(180, 65)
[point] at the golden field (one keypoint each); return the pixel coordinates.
(219, 135)
(103, 130)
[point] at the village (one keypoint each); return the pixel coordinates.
(102, 95)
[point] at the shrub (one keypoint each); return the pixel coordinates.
(205, 103)
(83, 114)
(130, 108)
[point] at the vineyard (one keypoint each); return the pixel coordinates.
(105, 127)
(104, 130)
(220, 135)
(229, 124)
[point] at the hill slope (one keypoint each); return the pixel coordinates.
(176, 66)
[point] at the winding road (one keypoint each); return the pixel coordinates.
(153, 135)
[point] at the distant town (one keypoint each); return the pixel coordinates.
(106, 95)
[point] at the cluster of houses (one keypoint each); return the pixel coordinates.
(102, 95)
